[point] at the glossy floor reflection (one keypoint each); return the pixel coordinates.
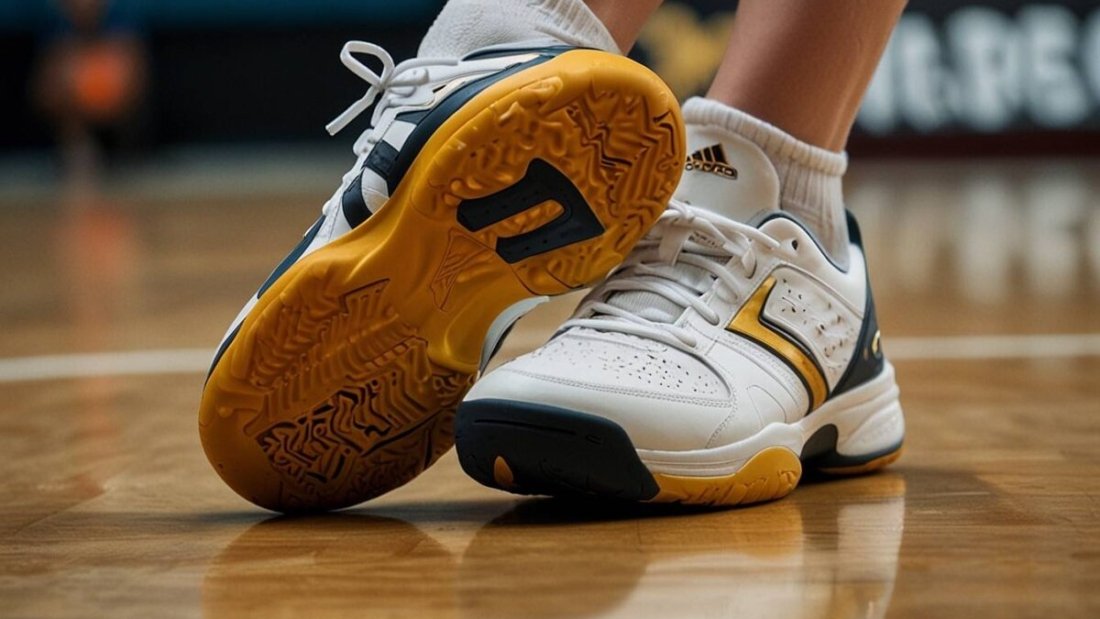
(108, 507)
(547, 559)
(802, 558)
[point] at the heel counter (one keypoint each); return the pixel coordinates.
(867, 360)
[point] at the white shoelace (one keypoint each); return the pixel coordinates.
(394, 82)
(683, 235)
(393, 86)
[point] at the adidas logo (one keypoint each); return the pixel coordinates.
(711, 159)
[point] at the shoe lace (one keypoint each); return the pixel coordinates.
(396, 81)
(684, 235)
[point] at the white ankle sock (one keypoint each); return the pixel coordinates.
(467, 25)
(809, 176)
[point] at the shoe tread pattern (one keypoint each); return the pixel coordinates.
(343, 382)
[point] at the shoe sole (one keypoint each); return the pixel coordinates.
(343, 381)
(529, 448)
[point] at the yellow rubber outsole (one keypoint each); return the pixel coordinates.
(771, 474)
(343, 380)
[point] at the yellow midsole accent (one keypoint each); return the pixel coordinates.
(502, 473)
(770, 474)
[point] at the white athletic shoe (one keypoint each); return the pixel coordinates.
(720, 360)
(481, 186)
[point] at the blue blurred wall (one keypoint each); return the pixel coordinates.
(29, 15)
(959, 78)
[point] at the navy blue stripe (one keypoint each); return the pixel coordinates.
(765, 216)
(437, 116)
(353, 204)
(867, 362)
(793, 339)
(292, 257)
(497, 53)
(381, 158)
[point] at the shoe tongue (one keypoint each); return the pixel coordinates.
(727, 174)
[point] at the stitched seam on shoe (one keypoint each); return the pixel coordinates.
(725, 422)
(781, 372)
(652, 396)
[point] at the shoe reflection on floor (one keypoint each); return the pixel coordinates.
(820, 553)
(814, 554)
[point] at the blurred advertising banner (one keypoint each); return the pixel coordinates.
(994, 77)
(957, 78)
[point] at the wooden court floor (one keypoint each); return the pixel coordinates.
(988, 282)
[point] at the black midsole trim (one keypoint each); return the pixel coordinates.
(550, 450)
(819, 451)
(498, 53)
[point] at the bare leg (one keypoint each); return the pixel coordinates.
(804, 66)
(623, 18)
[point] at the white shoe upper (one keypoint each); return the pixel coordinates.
(712, 329)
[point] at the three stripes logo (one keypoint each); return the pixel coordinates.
(711, 159)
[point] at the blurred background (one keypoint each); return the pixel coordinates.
(147, 79)
(157, 158)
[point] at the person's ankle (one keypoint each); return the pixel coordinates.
(464, 26)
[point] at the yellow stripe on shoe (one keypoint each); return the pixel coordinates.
(747, 322)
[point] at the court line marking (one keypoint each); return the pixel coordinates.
(978, 347)
(197, 360)
(124, 363)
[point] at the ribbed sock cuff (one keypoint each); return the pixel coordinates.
(464, 26)
(776, 143)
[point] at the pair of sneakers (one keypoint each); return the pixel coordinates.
(715, 361)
